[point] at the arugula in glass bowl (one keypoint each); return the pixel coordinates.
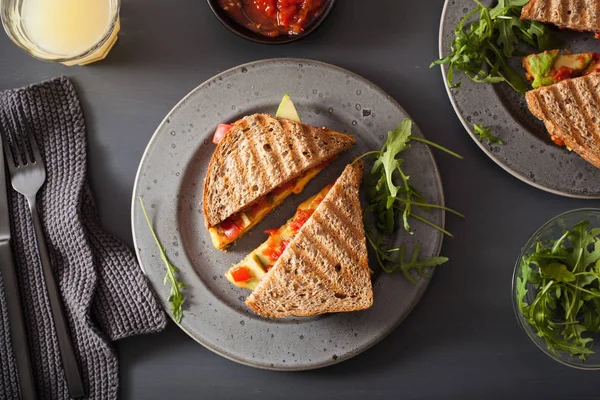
(556, 288)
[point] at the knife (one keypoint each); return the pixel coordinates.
(8, 272)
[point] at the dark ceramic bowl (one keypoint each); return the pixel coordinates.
(246, 33)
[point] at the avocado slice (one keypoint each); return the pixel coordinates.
(253, 263)
(541, 68)
(287, 109)
(538, 66)
(577, 62)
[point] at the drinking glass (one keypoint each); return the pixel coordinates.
(71, 32)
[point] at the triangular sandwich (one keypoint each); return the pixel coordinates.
(325, 267)
(577, 15)
(570, 110)
(257, 165)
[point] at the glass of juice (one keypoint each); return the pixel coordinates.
(71, 32)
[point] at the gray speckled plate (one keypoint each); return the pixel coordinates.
(528, 153)
(170, 181)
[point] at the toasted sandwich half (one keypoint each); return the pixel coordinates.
(249, 272)
(570, 110)
(259, 163)
(324, 268)
(577, 15)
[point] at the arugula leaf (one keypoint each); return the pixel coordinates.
(390, 264)
(565, 277)
(486, 134)
(391, 198)
(482, 47)
(558, 272)
(522, 286)
(175, 296)
(507, 38)
(396, 143)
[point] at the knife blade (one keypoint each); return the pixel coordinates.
(8, 272)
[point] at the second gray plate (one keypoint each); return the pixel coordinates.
(528, 153)
(170, 180)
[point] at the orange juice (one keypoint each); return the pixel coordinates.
(66, 27)
(68, 31)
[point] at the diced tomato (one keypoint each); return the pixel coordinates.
(220, 132)
(596, 57)
(241, 274)
(558, 141)
(271, 232)
(267, 7)
(286, 13)
(275, 249)
(565, 73)
(231, 227)
(301, 217)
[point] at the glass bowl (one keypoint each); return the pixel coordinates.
(553, 230)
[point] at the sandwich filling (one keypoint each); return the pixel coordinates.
(239, 223)
(251, 269)
(550, 67)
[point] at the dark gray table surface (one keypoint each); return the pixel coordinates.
(462, 340)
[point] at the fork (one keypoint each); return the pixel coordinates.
(28, 174)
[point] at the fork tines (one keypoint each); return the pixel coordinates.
(20, 148)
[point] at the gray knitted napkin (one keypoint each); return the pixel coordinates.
(104, 292)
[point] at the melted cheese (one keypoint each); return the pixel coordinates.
(263, 206)
(284, 233)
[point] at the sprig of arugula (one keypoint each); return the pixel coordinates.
(486, 134)
(393, 199)
(482, 49)
(564, 275)
(176, 298)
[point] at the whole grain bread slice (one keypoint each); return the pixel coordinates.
(260, 153)
(325, 267)
(570, 110)
(578, 15)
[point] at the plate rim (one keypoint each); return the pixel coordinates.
(487, 151)
(423, 283)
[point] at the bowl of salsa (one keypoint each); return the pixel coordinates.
(271, 21)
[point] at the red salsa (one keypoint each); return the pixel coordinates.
(276, 246)
(565, 73)
(273, 17)
(557, 141)
(301, 217)
(275, 249)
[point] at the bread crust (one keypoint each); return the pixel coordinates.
(257, 155)
(325, 268)
(567, 14)
(570, 110)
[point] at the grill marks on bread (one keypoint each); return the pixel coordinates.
(579, 15)
(259, 154)
(325, 267)
(571, 111)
